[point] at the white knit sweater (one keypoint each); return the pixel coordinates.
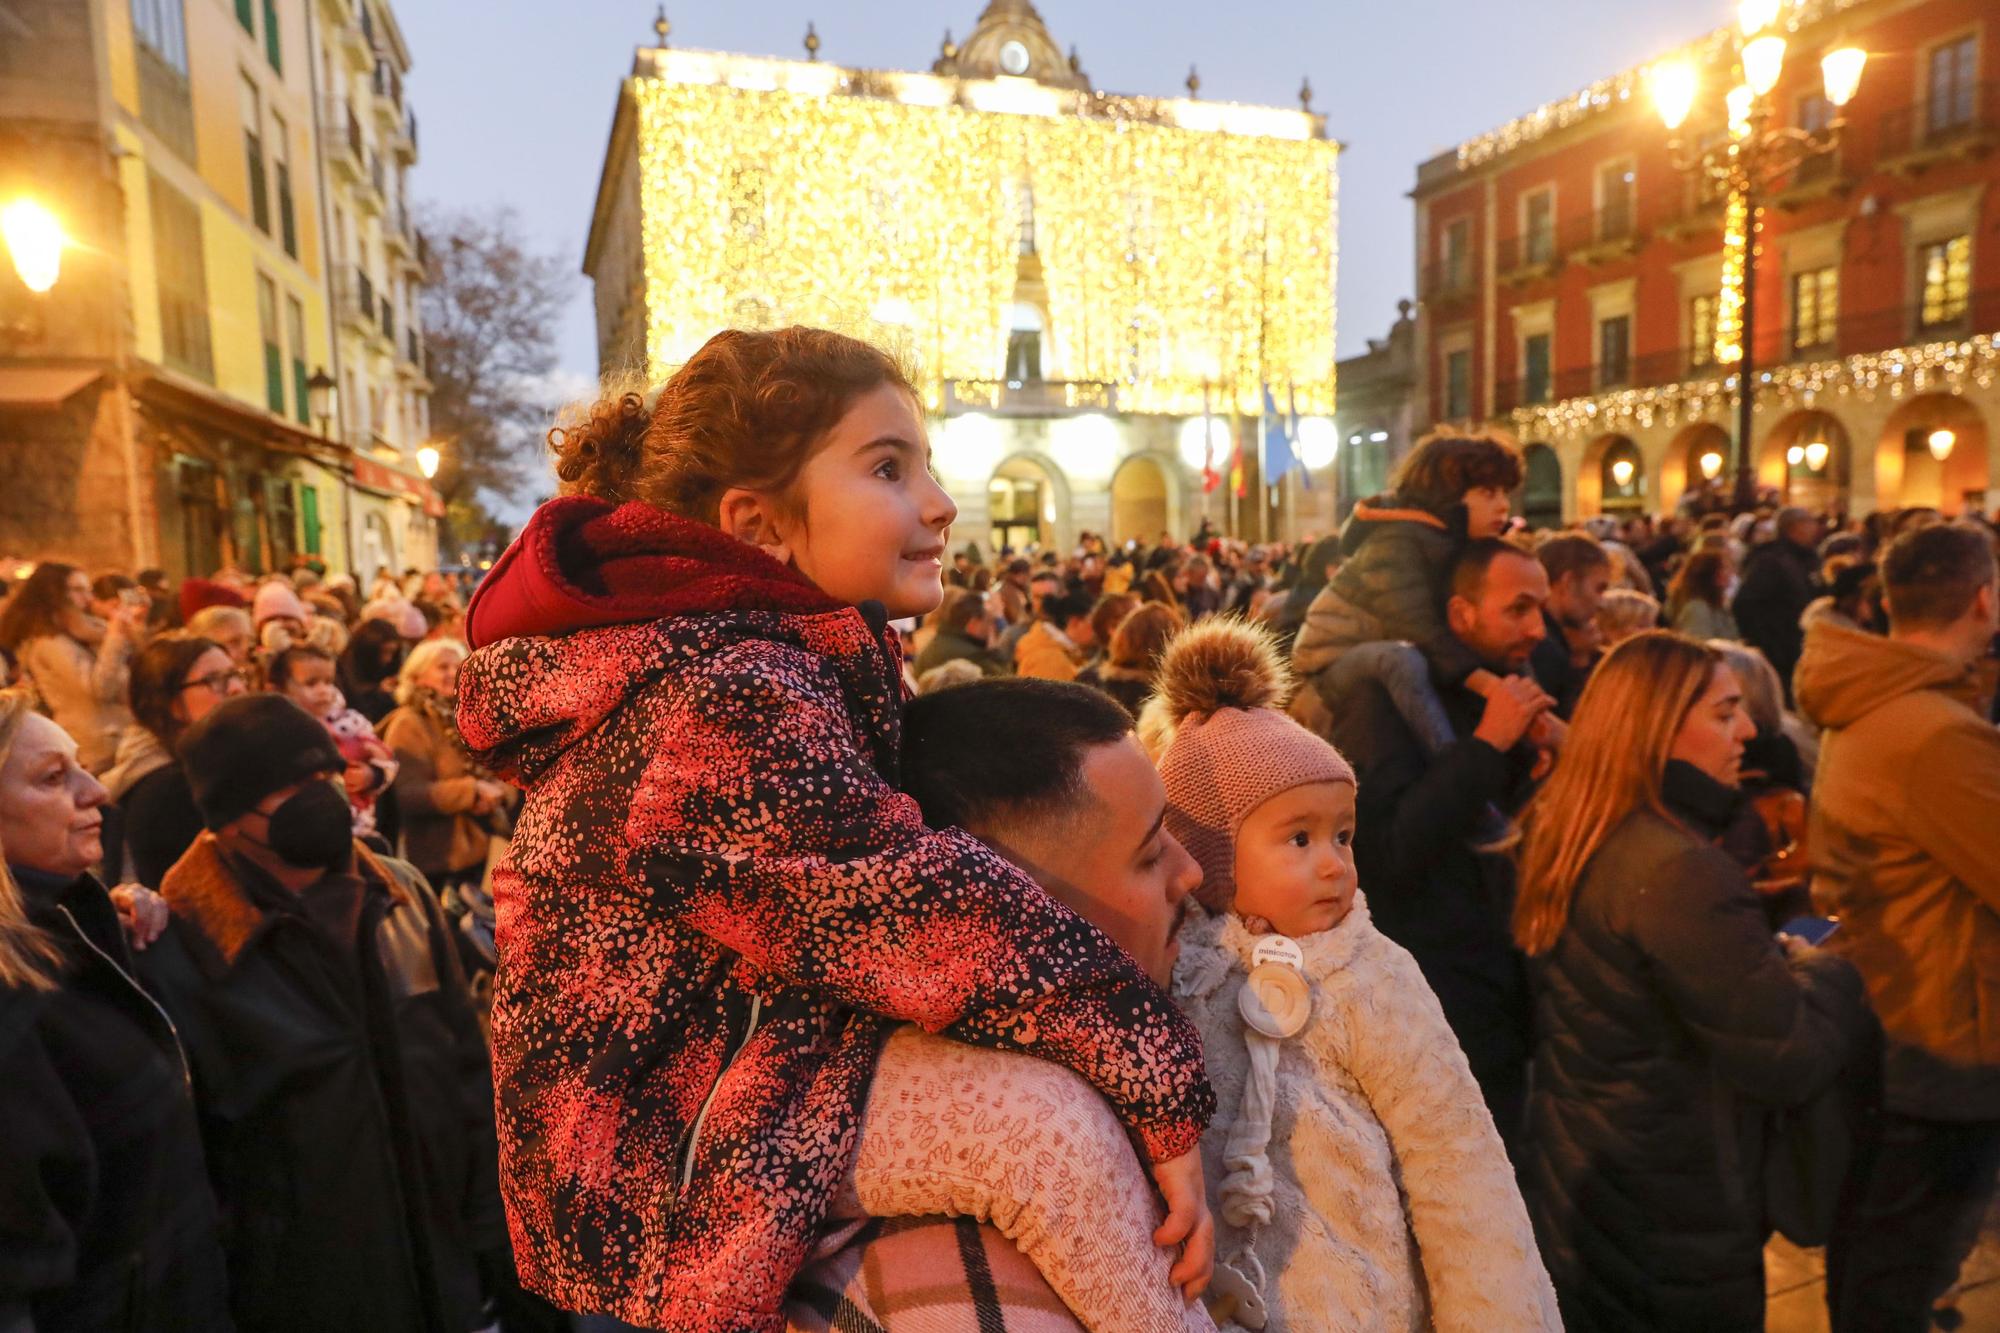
(1395, 1205)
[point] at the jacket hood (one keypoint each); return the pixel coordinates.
(1846, 674)
(1380, 511)
(583, 563)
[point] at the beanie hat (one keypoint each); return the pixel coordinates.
(200, 594)
(1223, 684)
(277, 601)
(249, 747)
(408, 620)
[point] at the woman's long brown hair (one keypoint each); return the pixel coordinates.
(1612, 764)
(28, 957)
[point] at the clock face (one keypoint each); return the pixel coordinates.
(1014, 58)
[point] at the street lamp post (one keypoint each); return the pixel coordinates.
(1749, 163)
(35, 242)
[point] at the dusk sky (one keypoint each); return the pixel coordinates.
(515, 96)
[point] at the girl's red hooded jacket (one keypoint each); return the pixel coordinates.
(716, 906)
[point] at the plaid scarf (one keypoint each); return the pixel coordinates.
(925, 1275)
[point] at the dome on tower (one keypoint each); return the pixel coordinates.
(1011, 39)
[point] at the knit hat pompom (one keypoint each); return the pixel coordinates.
(1225, 745)
(1223, 663)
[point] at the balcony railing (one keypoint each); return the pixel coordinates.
(1031, 397)
(1858, 333)
(1965, 118)
(1608, 232)
(1448, 280)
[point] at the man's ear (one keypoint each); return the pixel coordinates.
(749, 517)
(1462, 616)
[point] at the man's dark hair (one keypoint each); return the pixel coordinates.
(1931, 575)
(1061, 608)
(1443, 467)
(159, 674)
(1572, 553)
(1468, 576)
(961, 778)
(1019, 565)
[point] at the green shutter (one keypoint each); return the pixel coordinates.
(272, 49)
(246, 17)
(274, 378)
(301, 396)
(288, 225)
(309, 517)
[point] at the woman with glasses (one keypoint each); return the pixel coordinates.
(177, 680)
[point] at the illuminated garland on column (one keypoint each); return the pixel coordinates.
(1737, 237)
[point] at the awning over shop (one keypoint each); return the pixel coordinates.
(43, 388)
(182, 403)
(392, 482)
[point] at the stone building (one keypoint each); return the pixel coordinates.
(1089, 286)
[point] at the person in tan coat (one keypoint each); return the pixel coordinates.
(448, 808)
(1056, 646)
(1905, 845)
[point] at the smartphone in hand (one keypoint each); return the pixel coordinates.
(1814, 930)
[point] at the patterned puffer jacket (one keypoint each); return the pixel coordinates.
(717, 905)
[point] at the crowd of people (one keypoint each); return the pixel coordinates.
(746, 911)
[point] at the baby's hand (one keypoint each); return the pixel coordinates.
(1188, 1223)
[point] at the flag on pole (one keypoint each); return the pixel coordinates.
(1210, 478)
(1278, 457)
(1292, 403)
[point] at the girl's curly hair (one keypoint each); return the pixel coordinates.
(747, 410)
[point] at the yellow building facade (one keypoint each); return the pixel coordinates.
(155, 405)
(1093, 291)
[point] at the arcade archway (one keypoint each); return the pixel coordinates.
(1807, 458)
(1933, 453)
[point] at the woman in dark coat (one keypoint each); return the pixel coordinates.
(177, 679)
(1669, 1018)
(106, 1219)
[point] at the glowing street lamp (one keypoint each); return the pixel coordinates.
(36, 241)
(1816, 455)
(427, 461)
(1711, 465)
(1755, 158)
(1795, 455)
(1622, 471)
(1940, 443)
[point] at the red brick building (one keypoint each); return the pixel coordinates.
(1570, 276)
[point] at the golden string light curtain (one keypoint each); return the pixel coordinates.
(1173, 260)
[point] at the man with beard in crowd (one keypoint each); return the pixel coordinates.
(1434, 885)
(1579, 571)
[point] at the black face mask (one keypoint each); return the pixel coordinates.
(314, 827)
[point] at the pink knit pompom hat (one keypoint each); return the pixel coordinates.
(1224, 684)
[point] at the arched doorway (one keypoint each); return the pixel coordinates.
(1697, 460)
(1540, 500)
(1933, 454)
(1807, 459)
(1023, 504)
(1613, 478)
(1141, 499)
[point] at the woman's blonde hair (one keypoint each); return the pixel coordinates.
(421, 659)
(28, 957)
(1612, 764)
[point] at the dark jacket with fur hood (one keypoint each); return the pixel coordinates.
(717, 905)
(344, 1091)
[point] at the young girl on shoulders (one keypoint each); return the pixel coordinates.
(717, 902)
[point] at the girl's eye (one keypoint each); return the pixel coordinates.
(889, 470)
(1345, 837)
(1301, 839)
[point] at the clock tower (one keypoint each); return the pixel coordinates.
(1011, 39)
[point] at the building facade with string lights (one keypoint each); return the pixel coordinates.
(1094, 290)
(1580, 285)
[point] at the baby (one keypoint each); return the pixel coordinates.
(1355, 1175)
(305, 675)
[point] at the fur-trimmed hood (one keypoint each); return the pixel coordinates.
(202, 891)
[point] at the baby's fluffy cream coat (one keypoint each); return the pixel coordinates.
(1395, 1205)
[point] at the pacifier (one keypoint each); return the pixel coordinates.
(1232, 1297)
(1275, 999)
